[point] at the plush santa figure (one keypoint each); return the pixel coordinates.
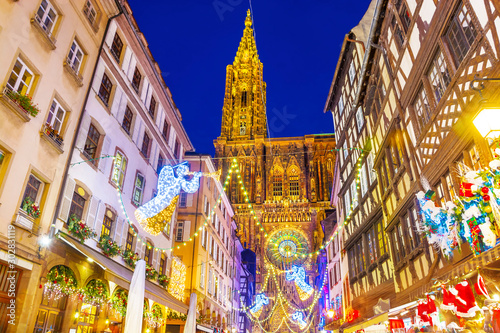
(425, 319)
(448, 300)
(465, 302)
(480, 287)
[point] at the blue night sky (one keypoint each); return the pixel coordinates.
(298, 42)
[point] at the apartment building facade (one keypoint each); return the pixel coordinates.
(210, 258)
(48, 53)
(402, 105)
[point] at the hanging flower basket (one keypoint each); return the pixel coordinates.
(61, 281)
(108, 246)
(151, 273)
(30, 208)
(79, 230)
(130, 258)
(118, 302)
(95, 293)
(163, 280)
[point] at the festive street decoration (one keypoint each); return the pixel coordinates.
(427, 312)
(351, 315)
(30, 208)
(286, 247)
(260, 301)
(298, 274)
(154, 214)
(299, 318)
(95, 293)
(108, 246)
(177, 279)
(118, 302)
(79, 230)
(151, 273)
(473, 216)
(163, 280)
(61, 281)
(155, 317)
(130, 257)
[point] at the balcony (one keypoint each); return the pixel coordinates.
(73, 72)
(44, 31)
(9, 98)
(51, 136)
(26, 222)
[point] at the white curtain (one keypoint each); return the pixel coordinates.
(133, 318)
(190, 326)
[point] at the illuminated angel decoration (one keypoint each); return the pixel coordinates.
(154, 214)
(298, 274)
(299, 318)
(260, 301)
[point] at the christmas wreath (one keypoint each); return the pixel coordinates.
(79, 230)
(61, 279)
(118, 302)
(95, 292)
(30, 208)
(108, 246)
(163, 280)
(130, 257)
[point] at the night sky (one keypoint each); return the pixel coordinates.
(298, 42)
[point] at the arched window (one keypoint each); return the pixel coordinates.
(244, 98)
(278, 183)
(293, 182)
(148, 252)
(88, 314)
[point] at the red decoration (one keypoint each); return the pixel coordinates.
(480, 287)
(465, 190)
(465, 302)
(448, 300)
(486, 197)
(485, 190)
(352, 315)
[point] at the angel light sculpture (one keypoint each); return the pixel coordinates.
(298, 274)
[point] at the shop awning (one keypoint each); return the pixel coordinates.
(204, 329)
(367, 323)
(121, 275)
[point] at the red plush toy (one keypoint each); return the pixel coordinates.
(465, 302)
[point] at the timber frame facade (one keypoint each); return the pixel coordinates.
(402, 93)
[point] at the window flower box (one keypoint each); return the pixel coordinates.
(53, 137)
(20, 104)
(31, 208)
(79, 229)
(130, 257)
(108, 246)
(151, 273)
(26, 222)
(163, 280)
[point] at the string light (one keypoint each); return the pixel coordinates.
(178, 279)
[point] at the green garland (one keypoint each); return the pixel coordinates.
(163, 280)
(108, 246)
(151, 273)
(62, 278)
(30, 208)
(79, 230)
(96, 292)
(130, 257)
(174, 315)
(24, 102)
(118, 302)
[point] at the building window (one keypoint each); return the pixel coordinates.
(167, 228)
(411, 220)
(105, 89)
(90, 12)
(354, 192)
(474, 158)
(179, 232)
(177, 149)
(116, 47)
(369, 164)
(341, 105)
(277, 183)
(46, 16)
(152, 107)
(372, 245)
(460, 34)
(381, 239)
(347, 202)
(293, 181)
(92, 143)
(398, 34)
(360, 118)
(363, 180)
(130, 239)
(183, 199)
(120, 165)
(438, 75)
(352, 72)
(161, 163)
(75, 56)
(107, 223)
(21, 78)
(145, 145)
(422, 108)
(204, 238)
(56, 115)
(77, 206)
(404, 15)
(202, 275)
(163, 263)
(244, 98)
(346, 151)
(360, 255)
(165, 130)
(136, 80)
(138, 189)
(127, 120)
(148, 253)
(449, 184)
(243, 128)
(399, 243)
(33, 190)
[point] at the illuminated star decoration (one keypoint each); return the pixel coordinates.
(154, 214)
(298, 274)
(299, 318)
(260, 301)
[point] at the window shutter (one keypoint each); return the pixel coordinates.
(187, 230)
(67, 198)
(98, 221)
(111, 33)
(140, 249)
(82, 134)
(117, 108)
(126, 58)
(124, 228)
(137, 129)
(92, 212)
(189, 201)
(105, 151)
(155, 259)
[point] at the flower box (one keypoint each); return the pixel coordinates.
(108, 246)
(151, 273)
(9, 100)
(53, 137)
(79, 229)
(130, 257)
(163, 280)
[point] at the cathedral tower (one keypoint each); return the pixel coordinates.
(244, 114)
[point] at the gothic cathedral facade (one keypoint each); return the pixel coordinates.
(287, 181)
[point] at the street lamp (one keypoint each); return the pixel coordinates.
(487, 122)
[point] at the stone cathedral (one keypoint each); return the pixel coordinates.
(288, 182)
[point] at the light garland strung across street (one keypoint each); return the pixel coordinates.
(191, 238)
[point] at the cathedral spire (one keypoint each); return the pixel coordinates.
(243, 113)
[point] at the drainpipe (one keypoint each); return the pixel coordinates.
(78, 125)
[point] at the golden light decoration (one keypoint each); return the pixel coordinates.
(215, 175)
(155, 224)
(177, 279)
